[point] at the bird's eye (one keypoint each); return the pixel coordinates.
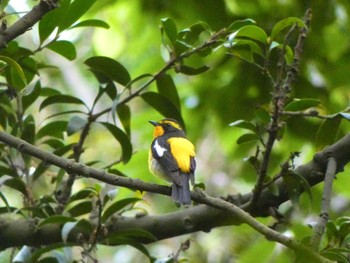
(168, 124)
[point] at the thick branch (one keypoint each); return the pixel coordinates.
(27, 21)
(269, 233)
(197, 218)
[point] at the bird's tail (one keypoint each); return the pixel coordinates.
(181, 193)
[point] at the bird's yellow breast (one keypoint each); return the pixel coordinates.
(182, 151)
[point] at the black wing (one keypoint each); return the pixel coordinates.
(161, 152)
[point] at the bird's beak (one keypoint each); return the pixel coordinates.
(154, 123)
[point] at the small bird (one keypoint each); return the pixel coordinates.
(171, 157)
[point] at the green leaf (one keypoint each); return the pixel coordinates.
(124, 115)
(263, 115)
(42, 167)
(116, 207)
(56, 219)
(163, 105)
(75, 10)
(132, 237)
(122, 138)
(301, 104)
(5, 170)
(3, 5)
(23, 256)
(240, 23)
(244, 125)
(30, 68)
(51, 20)
(66, 113)
(75, 124)
(289, 54)
(3, 198)
(91, 23)
(254, 48)
(17, 77)
(192, 71)
(116, 240)
(344, 229)
(248, 137)
(47, 92)
(303, 184)
(28, 133)
(295, 184)
(53, 142)
(331, 231)
(54, 129)
(293, 188)
(169, 27)
(66, 229)
(336, 257)
(29, 98)
(284, 23)
(78, 207)
(64, 48)
(84, 193)
(16, 184)
(191, 35)
(110, 67)
(327, 132)
(60, 99)
(49, 248)
(167, 88)
(250, 31)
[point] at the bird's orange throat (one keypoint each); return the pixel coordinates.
(158, 131)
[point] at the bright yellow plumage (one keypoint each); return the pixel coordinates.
(182, 151)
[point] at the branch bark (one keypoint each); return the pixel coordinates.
(325, 204)
(197, 218)
(27, 21)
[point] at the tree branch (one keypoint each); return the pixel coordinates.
(72, 167)
(197, 218)
(280, 96)
(325, 204)
(215, 38)
(27, 21)
(269, 233)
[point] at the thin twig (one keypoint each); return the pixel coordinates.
(215, 38)
(311, 113)
(285, 167)
(280, 96)
(325, 204)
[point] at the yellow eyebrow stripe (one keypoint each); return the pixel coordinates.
(182, 150)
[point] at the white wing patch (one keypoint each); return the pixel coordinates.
(159, 149)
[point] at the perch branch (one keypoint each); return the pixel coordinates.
(198, 218)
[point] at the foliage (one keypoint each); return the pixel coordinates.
(219, 76)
